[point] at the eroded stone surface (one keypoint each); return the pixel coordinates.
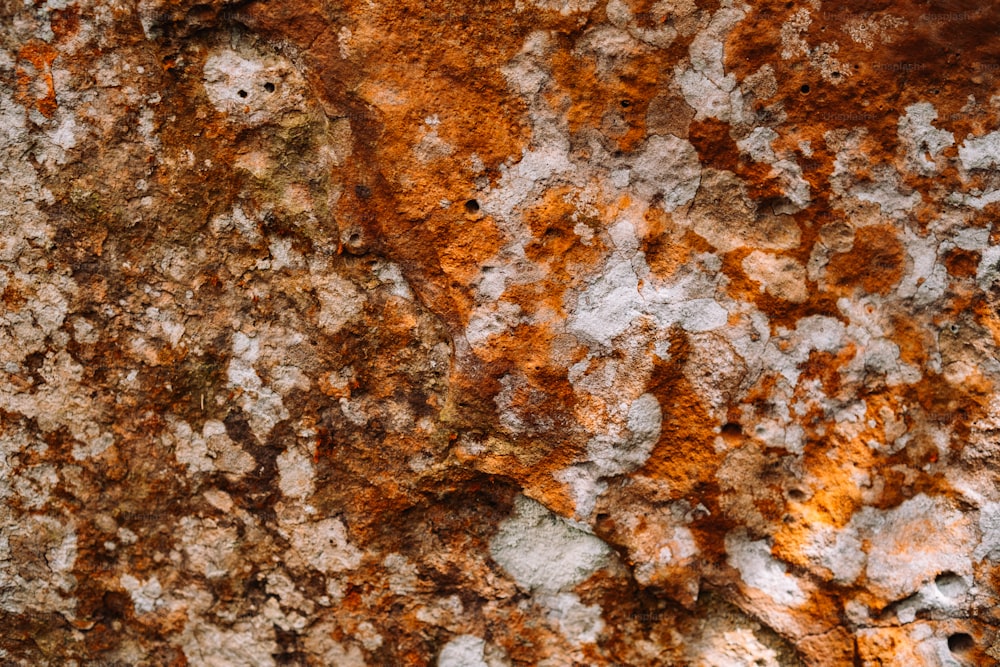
(537, 333)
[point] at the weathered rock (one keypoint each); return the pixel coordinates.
(528, 333)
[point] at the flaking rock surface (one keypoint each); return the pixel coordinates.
(529, 332)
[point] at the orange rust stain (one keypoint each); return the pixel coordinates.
(988, 317)
(716, 148)
(780, 312)
(668, 248)
(838, 496)
(537, 477)
(557, 246)
(616, 104)
(65, 23)
(40, 55)
(940, 399)
(962, 263)
(875, 263)
(463, 248)
(825, 367)
(914, 341)
(684, 456)
(873, 87)
(424, 90)
(13, 298)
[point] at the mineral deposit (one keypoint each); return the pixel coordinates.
(496, 333)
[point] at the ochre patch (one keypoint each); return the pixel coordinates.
(875, 263)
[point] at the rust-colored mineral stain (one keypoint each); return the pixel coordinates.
(962, 263)
(875, 263)
(40, 55)
(684, 456)
(183, 268)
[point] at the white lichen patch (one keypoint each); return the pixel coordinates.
(924, 142)
(613, 299)
(761, 571)
(914, 542)
(898, 550)
(47, 545)
(608, 305)
(252, 87)
(23, 330)
(989, 528)
(585, 485)
(819, 56)
(146, 595)
(543, 552)
(463, 651)
(579, 623)
(668, 167)
(781, 277)
(565, 7)
(340, 301)
(707, 88)
(247, 642)
(869, 29)
(296, 474)
(60, 402)
(263, 405)
(210, 548)
(322, 544)
(839, 551)
(789, 349)
(982, 152)
(617, 455)
(735, 648)
(660, 34)
(318, 640)
(403, 575)
(208, 451)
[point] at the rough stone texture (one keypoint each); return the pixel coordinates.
(545, 332)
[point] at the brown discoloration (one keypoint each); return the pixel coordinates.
(181, 267)
(875, 263)
(962, 263)
(36, 87)
(684, 456)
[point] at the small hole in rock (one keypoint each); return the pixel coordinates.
(732, 429)
(805, 89)
(472, 206)
(835, 75)
(626, 104)
(363, 191)
(269, 87)
(960, 642)
(950, 584)
(242, 93)
(354, 239)
(115, 604)
(796, 494)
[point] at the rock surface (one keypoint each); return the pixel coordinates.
(544, 332)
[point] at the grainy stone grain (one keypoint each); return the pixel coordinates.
(561, 332)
